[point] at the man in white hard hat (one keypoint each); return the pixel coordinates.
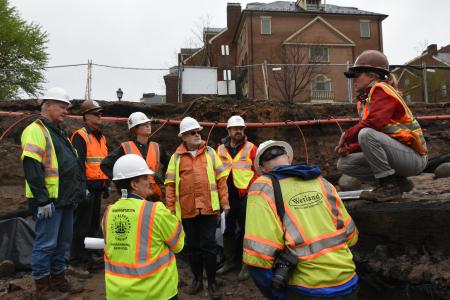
(297, 231)
(91, 147)
(54, 185)
(141, 238)
(153, 153)
(196, 191)
(237, 155)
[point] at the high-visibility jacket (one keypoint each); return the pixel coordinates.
(241, 165)
(152, 159)
(214, 168)
(37, 143)
(406, 130)
(141, 238)
(96, 151)
(318, 231)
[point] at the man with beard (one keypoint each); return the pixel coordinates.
(91, 147)
(196, 191)
(237, 155)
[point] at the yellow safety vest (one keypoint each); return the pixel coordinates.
(214, 169)
(140, 240)
(240, 165)
(321, 247)
(95, 152)
(37, 144)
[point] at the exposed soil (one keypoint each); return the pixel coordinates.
(404, 247)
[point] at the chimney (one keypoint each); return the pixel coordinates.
(233, 16)
(432, 49)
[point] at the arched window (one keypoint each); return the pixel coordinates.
(321, 83)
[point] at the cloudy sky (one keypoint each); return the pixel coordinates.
(147, 33)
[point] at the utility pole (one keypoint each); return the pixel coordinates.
(225, 50)
(349, 86)
(425, 82)
(87, 93)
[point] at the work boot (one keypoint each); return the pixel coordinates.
(45, 292)
(386, 190)
(243, 274)
(59, 282)
(78, 272)
(404, 184)
(213, 290)
(196, 263)
(229, 250)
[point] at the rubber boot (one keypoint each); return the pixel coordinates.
(196, 263)
(211, 266)
(60, 283)
(229, 251)
(45, 292)
(387, 190)
(243, 274)
(404, 184)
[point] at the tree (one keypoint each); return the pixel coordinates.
(290, 79)
(23, 54)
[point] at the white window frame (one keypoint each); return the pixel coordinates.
(313, 59)
(444, 90)
(361, 29)
(325, 80)
(269, 20)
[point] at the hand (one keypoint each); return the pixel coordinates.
(226, 209)
(45, 211)
(343, 151)
(340, 145)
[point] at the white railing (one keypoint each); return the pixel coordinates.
(322, 95)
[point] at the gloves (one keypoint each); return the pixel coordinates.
(45, 211)
(106, 192)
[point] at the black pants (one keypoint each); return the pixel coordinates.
(235, 222)
(201, 245)
(86, 224)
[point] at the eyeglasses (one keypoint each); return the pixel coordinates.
(194, 132)
(97, 113)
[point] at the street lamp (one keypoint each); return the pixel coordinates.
(119, 93)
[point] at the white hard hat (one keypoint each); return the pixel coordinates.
(266, 145)
(130, 166)
(56, 94)
(235, 121)
(137, 118)
(188, 124)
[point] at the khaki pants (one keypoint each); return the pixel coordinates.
(381, 156)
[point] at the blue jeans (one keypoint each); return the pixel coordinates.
(53, 237)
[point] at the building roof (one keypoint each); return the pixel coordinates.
(213, 29)
(288, 6)
(445, 57)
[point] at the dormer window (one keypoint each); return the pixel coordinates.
(309, 4)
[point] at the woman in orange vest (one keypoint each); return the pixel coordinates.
(156, 158)
(387, 144)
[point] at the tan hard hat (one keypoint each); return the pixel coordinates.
(369, 61)
(89, 106)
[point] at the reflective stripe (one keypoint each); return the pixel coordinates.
(293, 231)
(35, 149)
(127, 148)
(213, 187)
(48, 156)
(219, 170)
(323, 244)
(260, 247)
(143, 236)
(141, 270)
(86, 134)
(157, 158)
(245, 151)
(94, 160)
(333, 203)
(174, 240)
(242, 165)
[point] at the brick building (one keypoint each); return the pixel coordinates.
(265, 40)
(411, 80)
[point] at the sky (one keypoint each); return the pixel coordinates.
(148, 34)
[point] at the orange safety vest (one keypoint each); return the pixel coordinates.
(152, 159)
(96, 151)
(241, 165)
(406, 130)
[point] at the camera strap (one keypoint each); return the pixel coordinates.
(279, 203)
